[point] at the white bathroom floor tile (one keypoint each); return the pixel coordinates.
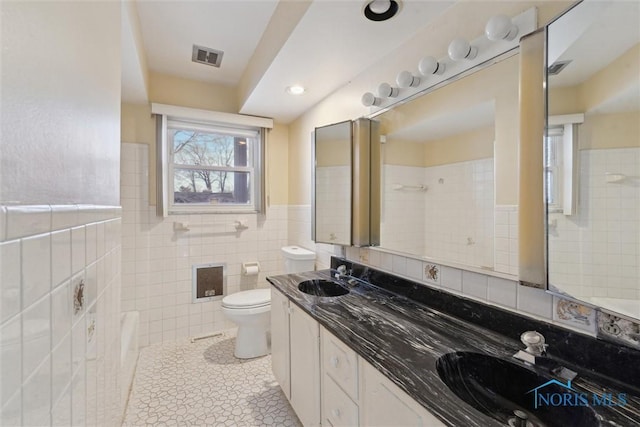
(202, 383)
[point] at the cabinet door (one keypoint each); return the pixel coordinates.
(305, 366)
(280, 340)
(384, 404)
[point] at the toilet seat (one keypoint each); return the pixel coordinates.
(255, 298)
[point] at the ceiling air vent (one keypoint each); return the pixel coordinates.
(207, 56)
(555, 68)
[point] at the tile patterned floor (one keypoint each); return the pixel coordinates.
(203, 384)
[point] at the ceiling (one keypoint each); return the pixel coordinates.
(323, 48)
(593, 36)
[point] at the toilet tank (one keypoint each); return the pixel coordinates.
(297, 259)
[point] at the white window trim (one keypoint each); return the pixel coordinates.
(164, 162)
(567, 158)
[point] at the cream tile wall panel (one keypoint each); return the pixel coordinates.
(47, 331)
(10, 279)
(596, 252)
(157, 261)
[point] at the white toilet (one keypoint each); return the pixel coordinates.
(250, 310)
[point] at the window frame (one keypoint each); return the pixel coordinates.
(208, 121)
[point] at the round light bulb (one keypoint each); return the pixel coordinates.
(296, 90)
(369, 99)
(379, 6)
(386, 91)
(406, 79)
(500, 27)
(430, 65)
(461, 49)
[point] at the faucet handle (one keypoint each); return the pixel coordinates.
(534, 341)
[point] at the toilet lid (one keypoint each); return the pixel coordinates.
(248, 299)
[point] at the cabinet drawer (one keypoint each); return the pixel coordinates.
(340, 363)
(338, 408)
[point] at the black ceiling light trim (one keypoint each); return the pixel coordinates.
(388, 14)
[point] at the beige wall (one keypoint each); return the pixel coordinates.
(619, 130)
(497, 84)
(463, 19)
(60, 102)
(138, 126)
(473, 145)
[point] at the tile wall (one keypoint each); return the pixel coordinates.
(596, 252)
(500, 289)
(454, 215)
(60, 315)
(334, 203)
(157, 260)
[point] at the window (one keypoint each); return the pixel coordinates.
(552, 169)
(561, 163)
(209, 166)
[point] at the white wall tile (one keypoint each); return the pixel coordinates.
(414, 268)
(61, 412)
(11, 413)
(10, 277)
(535, 301)
(36, 396)
(3, 223)
(36, 268)
(45, 343)
(61, 368)
(36, 335)
(91, 243)
(10, 359)
(60, 256)
(451, 278)
(61, 311)
(474, 284)
(78, 398)
(64, 216)
(502, 291)
(25, 221)
(78, 249)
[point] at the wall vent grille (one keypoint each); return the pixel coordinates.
(207, 56)
(555, 68)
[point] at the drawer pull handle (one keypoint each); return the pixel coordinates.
(336, 413)
(335, 361)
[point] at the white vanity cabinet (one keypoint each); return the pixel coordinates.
(327, 383)
(384, 404)
(295, 357)
(339, 382)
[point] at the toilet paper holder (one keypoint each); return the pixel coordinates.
(250, 268)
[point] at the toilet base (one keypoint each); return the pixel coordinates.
(252, 341)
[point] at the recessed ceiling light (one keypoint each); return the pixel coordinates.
(295, 90)
(380, 10)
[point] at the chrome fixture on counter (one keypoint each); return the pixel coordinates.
(535, 347)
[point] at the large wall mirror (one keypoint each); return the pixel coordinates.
(449, 170)
(592, 155)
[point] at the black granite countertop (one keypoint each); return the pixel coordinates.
(403, 339)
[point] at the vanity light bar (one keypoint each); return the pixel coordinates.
(501, 35)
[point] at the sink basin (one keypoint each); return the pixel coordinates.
(498, 387)
(322, 288)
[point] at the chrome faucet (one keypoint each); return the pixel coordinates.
(342, 271)
(535, 347)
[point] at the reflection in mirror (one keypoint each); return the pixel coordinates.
(440, 195)
(592, 166)
(333, 184)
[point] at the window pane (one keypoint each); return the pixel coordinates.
(211, 187)
(194, 147)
